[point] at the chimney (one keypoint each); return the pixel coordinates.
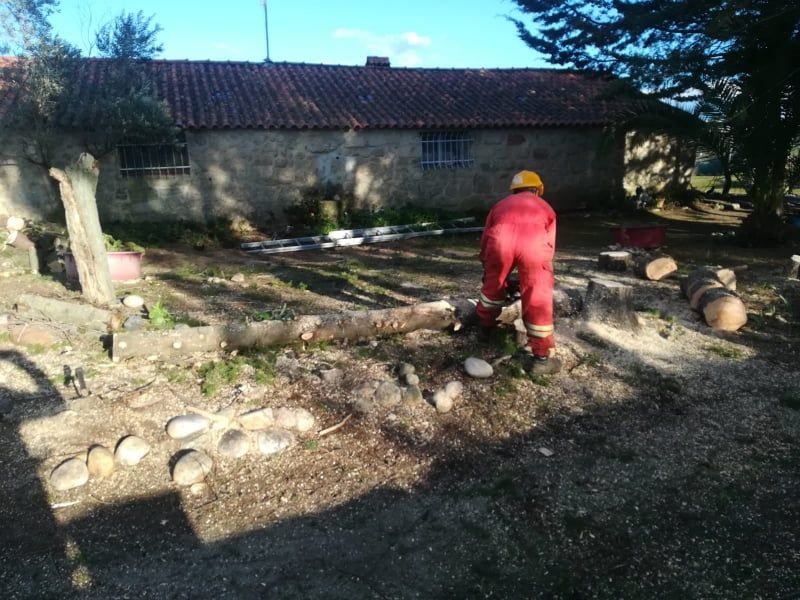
(378, 61)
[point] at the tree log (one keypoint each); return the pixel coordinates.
(80, 315)
(655, 268)
(723, 309)
(350, 325)
(610, 302)
(78, 184)
(704, 279)
(793, 268)
(614, 261)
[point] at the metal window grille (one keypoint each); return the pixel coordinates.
(153, 160)
(446, 150)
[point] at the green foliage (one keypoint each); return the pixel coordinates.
(160, 316)
(129, 36)
(215, 374)
(733, 61)
(212, 234)
(115, 245)
(725, 351)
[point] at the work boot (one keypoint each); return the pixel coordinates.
(538, 365)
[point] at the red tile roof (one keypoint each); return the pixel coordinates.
(241, 95)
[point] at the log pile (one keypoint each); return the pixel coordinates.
(711, 292)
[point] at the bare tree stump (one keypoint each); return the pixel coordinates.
(610, 302)
(794, 267)
(614, 261)
(78, 185)
(723, 309)
(655, 268)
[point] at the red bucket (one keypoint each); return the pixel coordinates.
(640, 236)
(124, 266)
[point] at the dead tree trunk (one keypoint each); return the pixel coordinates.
(610, 302)
(78, 184)
(655, 268)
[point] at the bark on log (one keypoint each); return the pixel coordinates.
(78, 184)
(723, 310)
(655, 268)
(80, 315)
(351, 325)
(614, 261)
(793, 269)
(701, 280)
(610, 302)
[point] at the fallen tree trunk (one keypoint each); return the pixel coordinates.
(350, 325)
(78, 185)
(80, 315)
(723, 309)
(655, 268)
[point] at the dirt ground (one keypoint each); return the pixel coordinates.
(662, 463)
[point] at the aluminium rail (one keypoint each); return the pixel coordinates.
(355, 237)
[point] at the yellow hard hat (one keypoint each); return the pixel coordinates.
(527, 179)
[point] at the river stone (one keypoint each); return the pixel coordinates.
(478, 368)
(285, 418)
(69, 474)
(406, 369)
(100, 462)
(130, 450)
(304, 420)
(412, 379)
(133, 301)
(260, 418)
(273, 441)
(454, 389)
(184, 426)
(234, 444)
(191, 468)
(412, 395)
(442, 401)
(133, 323)
(388, 394)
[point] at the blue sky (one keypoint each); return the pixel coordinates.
(413, 33)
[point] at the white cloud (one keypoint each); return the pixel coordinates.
(401, 48)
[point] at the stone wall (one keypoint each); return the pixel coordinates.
(257, 174)
(658, 163)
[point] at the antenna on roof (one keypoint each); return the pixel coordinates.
(266, 28)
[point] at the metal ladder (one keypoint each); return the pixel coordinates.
(355, 237)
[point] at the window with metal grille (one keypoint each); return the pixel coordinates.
(153, 160)
(446, 150)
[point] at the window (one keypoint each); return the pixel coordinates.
(153, 160)
(446, 150)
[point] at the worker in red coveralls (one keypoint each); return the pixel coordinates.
(521, 232)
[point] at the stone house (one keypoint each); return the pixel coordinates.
(255, 135)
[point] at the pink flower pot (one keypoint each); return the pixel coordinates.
(124, 266)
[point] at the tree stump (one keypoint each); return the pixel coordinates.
(655, 268)
(610, 302)
(722, 309)
(78, 185)
(793, 268)
(614, 261)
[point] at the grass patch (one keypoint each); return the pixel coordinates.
(225, 372)
(725, 351)
(176, 375)
(541, 380)
(311, 445)
(159, 316)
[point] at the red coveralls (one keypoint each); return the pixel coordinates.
(520, 232)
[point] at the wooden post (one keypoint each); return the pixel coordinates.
(78, 184)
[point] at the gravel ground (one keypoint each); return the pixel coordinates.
(661, 463)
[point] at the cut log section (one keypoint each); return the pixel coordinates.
(655, 268)
(614, 261)
(793, 269)
(80, 315)
(610, 302)
(701, 280)
(723, 309)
